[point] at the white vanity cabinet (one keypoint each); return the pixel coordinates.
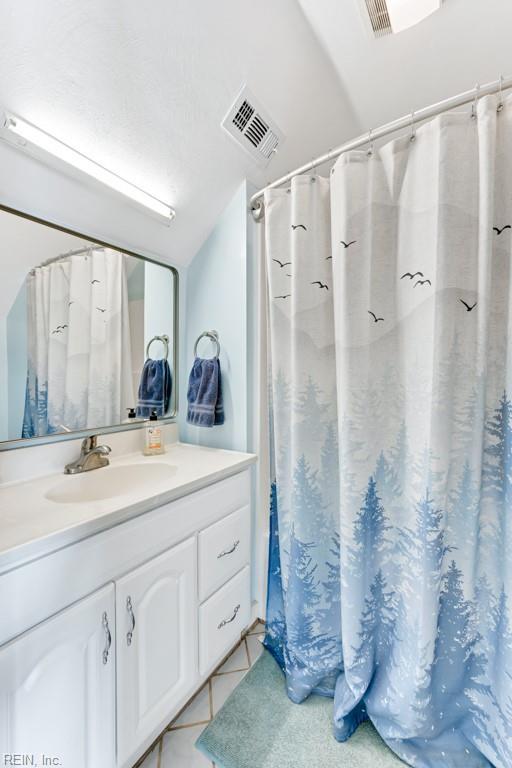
(102, 642)
(57, 687)
(156, 645)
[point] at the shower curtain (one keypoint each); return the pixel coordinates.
(390, 573)
(79, 347)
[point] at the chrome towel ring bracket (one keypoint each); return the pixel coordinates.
(214, 336)
(165, 341)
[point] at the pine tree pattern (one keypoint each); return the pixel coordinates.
(497, 473)
(461, 683)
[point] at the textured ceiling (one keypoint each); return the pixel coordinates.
(465, 42)
(142, 88)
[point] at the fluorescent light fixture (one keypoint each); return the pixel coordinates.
(405, 13)
(38, 142)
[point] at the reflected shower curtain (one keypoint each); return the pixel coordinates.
(421, 284)
(79, 347)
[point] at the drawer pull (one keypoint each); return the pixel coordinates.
(129, 608)
(228, 551)
(108, 637)
(228, 621)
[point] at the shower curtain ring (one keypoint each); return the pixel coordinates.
(500, 102)
(370, 141)
(413, 129)
(474, 106)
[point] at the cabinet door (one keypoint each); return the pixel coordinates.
(57, 687)
(156, 610)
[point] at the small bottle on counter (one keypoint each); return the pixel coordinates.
(153, 436)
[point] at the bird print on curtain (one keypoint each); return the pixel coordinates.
(390, 569)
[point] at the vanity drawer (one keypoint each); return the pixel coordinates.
(223, 618)
(224, 548)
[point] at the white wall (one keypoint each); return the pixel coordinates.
(465, 42)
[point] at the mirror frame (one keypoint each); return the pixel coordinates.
(27, 442)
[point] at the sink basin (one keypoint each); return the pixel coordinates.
(109, 482)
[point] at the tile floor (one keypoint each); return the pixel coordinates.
(175, 747)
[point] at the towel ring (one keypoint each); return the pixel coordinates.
(213, 335)
(165, 341)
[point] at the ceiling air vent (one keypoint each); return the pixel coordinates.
(379, 17)
(252, 129)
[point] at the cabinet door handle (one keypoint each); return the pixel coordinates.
(108, 637)
(129, 608)
(229, 551)
(228, 621)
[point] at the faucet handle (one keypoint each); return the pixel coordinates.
(89, 443)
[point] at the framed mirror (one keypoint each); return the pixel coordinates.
(88, 334)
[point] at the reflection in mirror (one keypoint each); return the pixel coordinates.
(86, 333)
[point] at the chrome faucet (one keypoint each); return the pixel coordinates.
(92, 456)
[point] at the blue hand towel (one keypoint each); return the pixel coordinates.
(154, 389)
(205, 405)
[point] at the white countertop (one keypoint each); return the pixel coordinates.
(32, 526)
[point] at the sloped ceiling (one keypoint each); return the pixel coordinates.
(142, 88)
(465, 42)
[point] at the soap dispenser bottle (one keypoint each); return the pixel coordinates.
(132, 414)
(153, 436)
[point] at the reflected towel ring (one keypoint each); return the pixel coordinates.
(165, 341)
(213, 335)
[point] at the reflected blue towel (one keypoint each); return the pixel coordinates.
(154, 389)
(205, 406)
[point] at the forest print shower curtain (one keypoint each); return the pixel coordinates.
(390, 575)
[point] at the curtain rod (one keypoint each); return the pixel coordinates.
(256, 203)
(71, 253)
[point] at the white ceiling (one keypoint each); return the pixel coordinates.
(142, 89)
(465, 42)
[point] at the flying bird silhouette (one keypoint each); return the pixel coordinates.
(411, 276)
(283, 297)
(94, 281)
(347, 245)
(100, 309)
(70, 303)
(320, 285)
(468, 308)
(375, 318)
(57, 330)
(499, 231)
(282, 263)
(288, 274)
(299, 226)
(421, 282)
(328, 257)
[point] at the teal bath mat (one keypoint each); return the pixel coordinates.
(259, 726)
